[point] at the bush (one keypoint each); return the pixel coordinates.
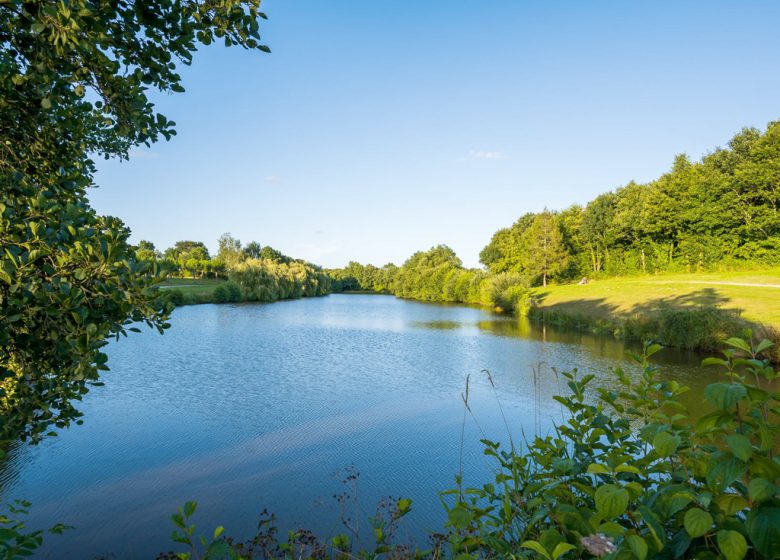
(228, 292)
(632, 474)
(698, 328)
(174, 296)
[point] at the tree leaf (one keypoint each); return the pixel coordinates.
(611, 501)
(697, 522)
(665, 444)
(638, 546)
(732, 544)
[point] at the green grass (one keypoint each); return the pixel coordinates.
(192, 286)
(628, 297)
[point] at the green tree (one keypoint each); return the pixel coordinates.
(146, 251)
(229, 250)
(74, 78)
(546, 255)
(253, 250)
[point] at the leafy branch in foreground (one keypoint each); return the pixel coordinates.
(74, 79)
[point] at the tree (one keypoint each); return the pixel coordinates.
(598, 229)
(252, 250)
(74, 78)
(146, 251)
(546, 254)
(229, 250)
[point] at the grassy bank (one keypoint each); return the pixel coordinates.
(688, 310)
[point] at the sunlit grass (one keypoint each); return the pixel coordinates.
(630, 296)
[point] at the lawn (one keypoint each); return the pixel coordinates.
(758, 298)
(195, 286)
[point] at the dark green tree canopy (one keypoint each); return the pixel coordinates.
(74, 79)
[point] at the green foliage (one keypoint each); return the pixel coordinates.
(631, 474)
(298, 544)
(270, 280)
(716, 213)
(68, 280)
(229, 292)
(545, 253)
(15, 541)
(437, 275)
(74, 78)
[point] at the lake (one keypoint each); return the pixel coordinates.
(250, 407)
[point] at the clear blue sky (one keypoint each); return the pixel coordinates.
(375, 129)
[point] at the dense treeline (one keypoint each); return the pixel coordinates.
(720, 212)
(254, 272)
(436, 275)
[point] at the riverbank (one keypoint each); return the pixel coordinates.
(688, 311)
(693, 311)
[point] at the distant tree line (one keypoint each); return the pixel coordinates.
(436, 275)
(720, 212)
(254, 272)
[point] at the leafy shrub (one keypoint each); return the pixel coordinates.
(700, 328)
(506, 291)
(227, 292)
(634, 475)
(174, 296)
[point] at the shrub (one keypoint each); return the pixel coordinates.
(697, 328)
(227, 292)
(174, 296)
(631, 474)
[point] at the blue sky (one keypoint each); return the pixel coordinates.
(375, 129)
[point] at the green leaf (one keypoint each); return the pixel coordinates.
(561, 549)
(654, 524)
(459, 517)
(763, 528)
(595, 468)
(638, 546)
(764, 345)
(611, 501)
(740, 446)
(697, 522)
(740, 344)
(731, 503)
(760, 489)
(189, 508)
(714, 362)
(724, 395)
(732, 544)
(536, 547)
(628, 468)
(665, 444)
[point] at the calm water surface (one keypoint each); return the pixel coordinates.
(247, 407)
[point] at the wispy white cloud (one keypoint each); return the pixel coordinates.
(481, 154)
(272, 179)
